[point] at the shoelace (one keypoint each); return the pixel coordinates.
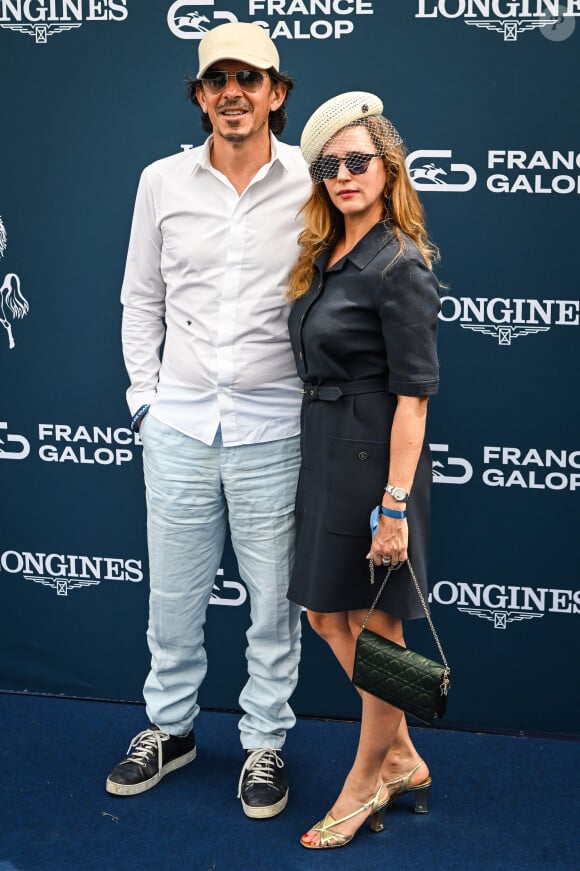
(261, 765)
(144, 745)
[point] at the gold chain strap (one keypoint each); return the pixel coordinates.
(391, 569)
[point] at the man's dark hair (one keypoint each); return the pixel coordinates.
(276, 120)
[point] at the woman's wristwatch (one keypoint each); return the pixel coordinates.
(399, 494)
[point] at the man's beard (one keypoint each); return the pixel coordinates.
(230, 135)
(234, 137)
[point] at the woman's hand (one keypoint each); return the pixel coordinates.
(407, 435)
(391, 541)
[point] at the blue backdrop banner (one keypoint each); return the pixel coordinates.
(485, 94)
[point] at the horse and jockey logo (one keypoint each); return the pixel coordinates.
(189, 21)
(12, 302)
(429, 172)
(429, 176)
(193, 21)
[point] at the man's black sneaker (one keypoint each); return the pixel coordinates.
(263, 788)
(151, 755)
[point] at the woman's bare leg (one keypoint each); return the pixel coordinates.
(384, 741)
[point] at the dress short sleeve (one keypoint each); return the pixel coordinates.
(408, 301)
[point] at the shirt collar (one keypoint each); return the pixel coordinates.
(277, 155)
(203, 155)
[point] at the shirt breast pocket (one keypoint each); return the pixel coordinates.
(357, 474)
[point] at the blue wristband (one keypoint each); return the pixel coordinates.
(141, 412)
(390, 512)
(374, 518)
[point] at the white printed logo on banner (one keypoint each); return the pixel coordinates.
(66, 572)
(12, 447)
(507, 319)
(13, 303)
(555, 20)
(432, 176)
(221, 594)
(44, 18)
(86, 445)
(450, 470)
(509, 466)
(186, 21)
(531, 469)
(80, 445)
(500, 604)
(510, 171)
(282, 19)
(537, 172)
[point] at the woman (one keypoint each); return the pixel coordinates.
(363, 327)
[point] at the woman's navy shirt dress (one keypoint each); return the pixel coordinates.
(365, 332)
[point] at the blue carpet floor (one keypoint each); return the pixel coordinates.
(497, 802)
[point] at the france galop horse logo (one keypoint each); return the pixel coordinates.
(12, 301)
(191, 21)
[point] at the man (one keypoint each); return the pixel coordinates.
(212, 242)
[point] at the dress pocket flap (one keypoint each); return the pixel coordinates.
(357, 470)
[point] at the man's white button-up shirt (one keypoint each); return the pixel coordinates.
(205, 335)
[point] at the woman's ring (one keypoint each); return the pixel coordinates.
(386, 560)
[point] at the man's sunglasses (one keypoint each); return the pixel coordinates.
(248, 80)
(327, 166)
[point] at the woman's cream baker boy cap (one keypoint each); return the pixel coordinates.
(241, 41)
(332, 116)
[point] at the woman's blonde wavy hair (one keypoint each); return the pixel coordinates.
(403, 213)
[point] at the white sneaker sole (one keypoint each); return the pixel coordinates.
(136, 788)
(264, 813)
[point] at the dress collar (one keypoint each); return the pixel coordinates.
(377, 238)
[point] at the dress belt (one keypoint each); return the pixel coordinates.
(332, 392)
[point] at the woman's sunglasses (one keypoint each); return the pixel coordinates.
(248, 80)
(328, 165)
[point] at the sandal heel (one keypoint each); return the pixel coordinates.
(400, 786)
(378, 819)
(422, 799)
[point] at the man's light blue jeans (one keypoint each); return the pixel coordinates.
(192, 491)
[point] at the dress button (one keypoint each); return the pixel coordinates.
(363, 455)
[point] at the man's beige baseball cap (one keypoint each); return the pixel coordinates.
(241, 41)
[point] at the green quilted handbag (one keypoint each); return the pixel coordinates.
(397, 675)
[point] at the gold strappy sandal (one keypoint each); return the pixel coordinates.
(400, 785)
(330, 838)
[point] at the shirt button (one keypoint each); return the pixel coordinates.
(363, 455)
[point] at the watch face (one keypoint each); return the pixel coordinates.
(398, 494)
